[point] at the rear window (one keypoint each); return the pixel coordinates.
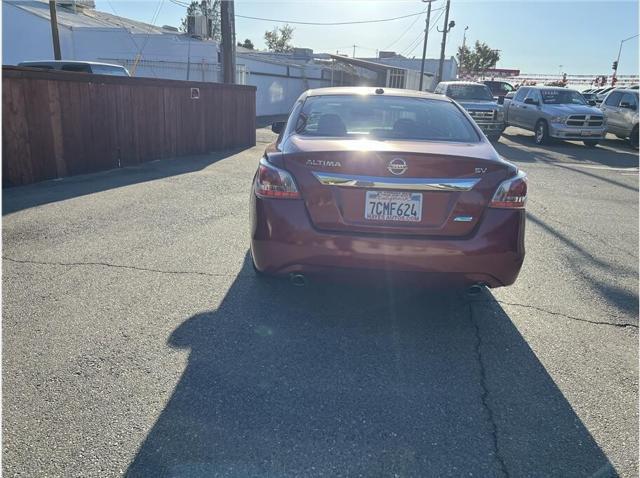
(469, 92)
(78, 67)
(384, 117)
(109, 70)
(562, 97)
(35, 65)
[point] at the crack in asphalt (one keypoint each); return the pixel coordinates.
(484, 396)
(117, 266)
(560, 314)
(215, 274)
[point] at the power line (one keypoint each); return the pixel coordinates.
(136, 47)
(154, 18)
(408, 28)
(402, 34)
(412, 45)
(416, 42)
(295, 22)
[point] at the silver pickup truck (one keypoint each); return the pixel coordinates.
(477, 99)
(553, 112)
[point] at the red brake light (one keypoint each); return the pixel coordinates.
(511, 193)
(272, 182)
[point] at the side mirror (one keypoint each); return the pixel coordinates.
(278, 126)
(627, 105)
(530, 101)
(500, 100)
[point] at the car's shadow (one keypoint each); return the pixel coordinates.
(345, 381)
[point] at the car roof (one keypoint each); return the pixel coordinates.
(542, 87)
(624, 90)
(461, 83)
(371, 91)
(67, 62)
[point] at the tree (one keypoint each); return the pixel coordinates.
(479, 60)
(464, 58)
(211, 10)
(246, 44)
(279, 39)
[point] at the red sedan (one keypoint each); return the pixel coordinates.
(382, 183)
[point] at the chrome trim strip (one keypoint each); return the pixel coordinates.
(463, 219)
(408, 184)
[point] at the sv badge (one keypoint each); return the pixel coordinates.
(481, 170)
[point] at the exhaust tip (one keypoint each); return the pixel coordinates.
(297, 280)
(475, 289)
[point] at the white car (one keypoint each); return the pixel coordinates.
(78, 66)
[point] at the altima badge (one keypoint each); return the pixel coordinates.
(323, 162)
(397, 166)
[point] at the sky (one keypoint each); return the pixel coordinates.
(534, 36)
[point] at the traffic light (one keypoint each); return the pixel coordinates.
(615, 65)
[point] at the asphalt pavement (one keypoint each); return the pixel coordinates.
(137, 339)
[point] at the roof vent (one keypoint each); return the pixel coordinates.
(379, 91)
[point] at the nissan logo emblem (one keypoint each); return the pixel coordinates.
(397, 166)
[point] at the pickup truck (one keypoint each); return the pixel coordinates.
(477, 99)
(555, 112)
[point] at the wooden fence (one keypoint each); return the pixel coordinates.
(57, 124)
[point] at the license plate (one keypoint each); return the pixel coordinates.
(393, 206)
(587, 133)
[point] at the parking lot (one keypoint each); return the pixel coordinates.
(138, 340)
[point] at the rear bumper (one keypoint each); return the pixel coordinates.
(284, 241)
(561, 131)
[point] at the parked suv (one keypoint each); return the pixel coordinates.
(555, 113)
(477, 99)
(620, 108)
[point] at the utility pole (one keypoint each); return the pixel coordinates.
(447, 27)
(354, 51)
(424, 46)
(228, 41)
(54, 30)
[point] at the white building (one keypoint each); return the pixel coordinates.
(449, 67)
(281, 78)
(163, 52)
(92, 35)
(148, 51)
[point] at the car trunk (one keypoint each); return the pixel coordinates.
(318, 165)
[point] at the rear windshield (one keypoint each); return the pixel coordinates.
(562, 97)
(109, 70)
(469, 92)
(384, 117)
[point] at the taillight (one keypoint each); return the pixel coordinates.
(511, 193)
(272, 182)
